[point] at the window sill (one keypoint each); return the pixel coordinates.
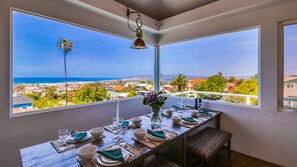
(58, 109)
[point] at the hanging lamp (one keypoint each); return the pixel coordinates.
(138, 43)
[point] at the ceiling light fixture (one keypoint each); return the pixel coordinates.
(138, 43)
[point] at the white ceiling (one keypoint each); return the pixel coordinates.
(162, 9)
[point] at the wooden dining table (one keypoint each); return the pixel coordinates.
(45, 154)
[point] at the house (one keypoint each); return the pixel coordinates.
(290, 91)
(22, 102)
(147, 87)
(131, 84)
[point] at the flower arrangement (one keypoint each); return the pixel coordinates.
(155, 100)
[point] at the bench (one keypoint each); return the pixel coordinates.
(206, 143)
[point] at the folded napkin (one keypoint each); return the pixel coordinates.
(157, 133)
(204, 113)
(189, 119)
(114, 154)
(78, 136)
(176, 107)
(125, 123)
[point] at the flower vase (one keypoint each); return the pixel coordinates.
(156, 118)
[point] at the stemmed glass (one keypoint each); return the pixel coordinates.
(122, 131)
(63, 133)
(116, 123)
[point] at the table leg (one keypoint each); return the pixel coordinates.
(184, 150)
(218, 121)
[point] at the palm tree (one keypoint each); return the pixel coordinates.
(67, 47)
(180, 81)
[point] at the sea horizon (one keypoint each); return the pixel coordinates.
(54, 80)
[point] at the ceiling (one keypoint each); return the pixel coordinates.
(162, 9)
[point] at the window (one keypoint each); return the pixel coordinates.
(101, 67)
(290, 86)
(289, 66)
(221, 68)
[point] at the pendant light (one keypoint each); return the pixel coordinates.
(138, 43)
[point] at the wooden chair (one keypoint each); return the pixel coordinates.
(208, 142)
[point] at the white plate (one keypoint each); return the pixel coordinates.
(109, 162)
(70, 139)
(190, 123)
(157, 138)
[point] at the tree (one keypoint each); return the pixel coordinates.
(20, 87)
(215, 83)
(67, 47)
(180, 81)
(247, 87)
(132, 93)
(50, 93)
(89, 93)
(120, 83)
(34, 96)
(232, 79)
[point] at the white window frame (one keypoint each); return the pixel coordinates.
(12, 114)
(259, 66)
(281, 66)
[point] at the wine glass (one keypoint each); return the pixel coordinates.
(63, 133)
(122, 131)
(116, 123)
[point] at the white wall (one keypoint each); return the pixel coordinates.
(263, 133)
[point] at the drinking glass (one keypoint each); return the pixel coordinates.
(122, 131)
(116, 123)
(63, 133)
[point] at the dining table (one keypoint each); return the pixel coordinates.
(45, 154)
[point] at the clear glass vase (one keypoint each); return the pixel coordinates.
(156, 118)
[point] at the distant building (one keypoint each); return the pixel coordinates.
(118, 88)
(145, 86)
(197, 81)
(132, 84)
(22, 102)
(290, 91)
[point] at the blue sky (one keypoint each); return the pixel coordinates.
(233, 53)
(290, 50)
(96, 54)
(102, 55)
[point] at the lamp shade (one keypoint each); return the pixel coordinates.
(139, 44)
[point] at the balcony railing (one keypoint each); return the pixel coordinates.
(195, 94)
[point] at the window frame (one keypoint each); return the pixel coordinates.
(258, 27)
(12, 114)
(280, 59)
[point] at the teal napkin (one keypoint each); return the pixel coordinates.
(204, 113)
(189, 119)
(125, 123)
(158, 133)
(114, 154)
(78, 136)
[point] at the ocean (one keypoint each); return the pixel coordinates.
(43, 80)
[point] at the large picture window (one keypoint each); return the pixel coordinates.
(98, 66)
(289, 66)
(221, 68)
